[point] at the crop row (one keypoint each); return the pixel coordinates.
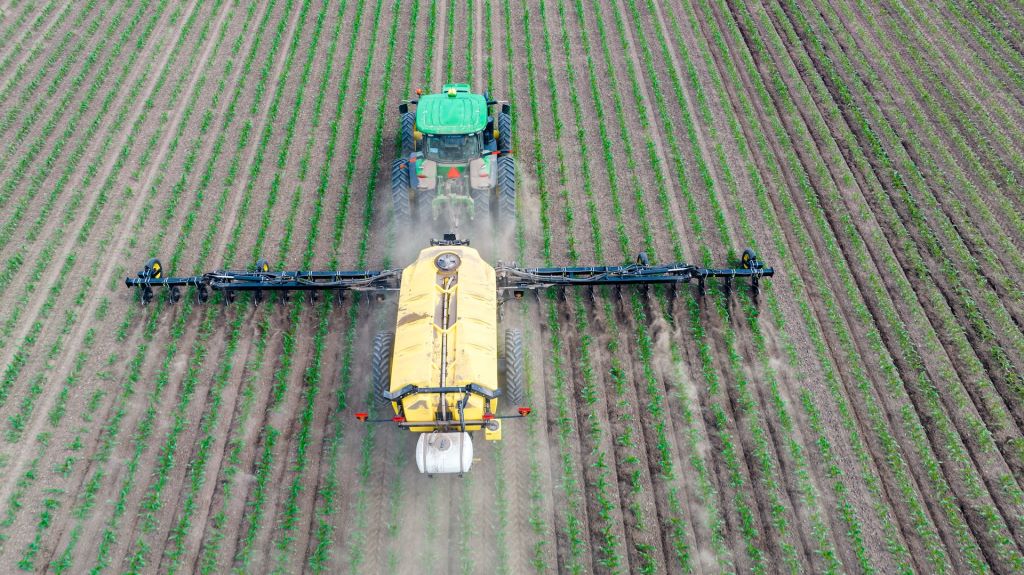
(797, 451)
(946, 439)
(113, 426)
(358, 537)
(151, 501)
(655, 406)
(31, 33)
(873, 409)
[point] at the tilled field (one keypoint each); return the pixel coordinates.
(862, 414)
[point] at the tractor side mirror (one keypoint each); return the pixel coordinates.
(506, 108)
(403, 108)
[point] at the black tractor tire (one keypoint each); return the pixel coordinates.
(407, 131)
(400, 194)
(506, 190)
(481, 206)
(383, 344)
(425, 205)
(515, 368)
(504, 131)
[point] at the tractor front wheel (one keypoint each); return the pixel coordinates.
(408, 134)
(515, 374)
(383, 343)
(400, 193)
(507, 190)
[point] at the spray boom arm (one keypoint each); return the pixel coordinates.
(509, 277)
(518, 279)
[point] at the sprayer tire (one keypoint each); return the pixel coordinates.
(515, 373)
(383, 343)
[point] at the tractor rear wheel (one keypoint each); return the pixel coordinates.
(408, 129)
(506, 190)
(400, 193)
(425, 205)
(481, 205)
(383, 343)
(515, 374)
(504, 131)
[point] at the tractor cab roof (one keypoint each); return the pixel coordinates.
(454, 111)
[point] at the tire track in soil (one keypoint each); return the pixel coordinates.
(800, 338)
(78, 333)
(358, 181)
(28, 143)
(971, 463)
(898, 431)
(440, 44)
(889, 499)
(201, 155)
(34, 306)
(723, 481)
(727, 154)
(121, 207)
(39, 38)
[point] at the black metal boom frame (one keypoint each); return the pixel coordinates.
(518, 279)
(509, 277)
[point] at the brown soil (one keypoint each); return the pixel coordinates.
(811, 418)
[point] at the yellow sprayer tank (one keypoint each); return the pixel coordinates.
(446, 336)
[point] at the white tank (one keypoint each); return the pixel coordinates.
(444, 452)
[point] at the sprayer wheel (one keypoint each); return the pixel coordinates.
(383, 343)
(514, 368)
(748, 258)
(154, 269)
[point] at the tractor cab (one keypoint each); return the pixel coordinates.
(452, 148)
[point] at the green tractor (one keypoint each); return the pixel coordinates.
(456, 163)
